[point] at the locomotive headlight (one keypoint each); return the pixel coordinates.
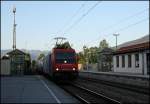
(65, 61)
(57, 69)
(73, 68)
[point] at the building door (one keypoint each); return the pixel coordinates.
(148, 63)
(20, 69)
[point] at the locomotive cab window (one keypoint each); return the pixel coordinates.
(65, 57)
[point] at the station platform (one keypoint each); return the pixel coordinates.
(122, 78)
(123, 74)
(32, 89)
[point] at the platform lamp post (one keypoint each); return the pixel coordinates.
(116, 34)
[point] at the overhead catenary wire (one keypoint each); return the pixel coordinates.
(120, 21)
(73, 16)
(85, 14)
(124, 28)
(124, 19)
(130, 25)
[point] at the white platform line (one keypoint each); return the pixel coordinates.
(58, 101)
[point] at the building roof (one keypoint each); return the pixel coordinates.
(134, 46)
(16, 51)
(143, 39)
(5, 57)
(107, 51)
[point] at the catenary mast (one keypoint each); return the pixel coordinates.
(14, 29)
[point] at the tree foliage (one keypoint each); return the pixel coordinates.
(41, 56)
(81, 57)
(28, 60)
(90, 55)
(103, 44)
(34, 64)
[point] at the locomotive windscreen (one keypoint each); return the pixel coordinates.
(65, 57)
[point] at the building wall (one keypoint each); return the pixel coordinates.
(17, 64)
(132, 69)
(145, 61)
(105, 62)
(91, 67)
(5, 67)
(80, 66)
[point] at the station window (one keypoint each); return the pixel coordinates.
(136, 60)
(117, 61)
(129, 60)
(123, 61)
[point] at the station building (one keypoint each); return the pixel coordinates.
(105, 60)
(13, 63)
(133, 57)
(5, 65)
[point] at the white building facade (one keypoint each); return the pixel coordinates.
(5, 67)
(135, 62)
(133, 58)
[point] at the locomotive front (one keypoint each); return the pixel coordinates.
(65, 63)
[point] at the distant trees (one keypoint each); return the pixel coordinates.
(27, 63)
(103, 44)
(90, 55)
(34, 64)
(81, 58)
(41, 56)
(93, 54)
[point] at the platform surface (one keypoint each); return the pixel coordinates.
(32, 89)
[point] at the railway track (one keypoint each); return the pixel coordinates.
(90, 91)
(133, 88)
(85, 95)
(120, 94)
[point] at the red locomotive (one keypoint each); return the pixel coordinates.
(61, 62)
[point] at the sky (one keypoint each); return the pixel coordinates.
(81, 22)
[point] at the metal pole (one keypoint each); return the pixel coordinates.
(116, 38)
(116, 41)
(14, 30)
(88, 61)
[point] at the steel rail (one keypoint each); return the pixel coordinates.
(90, 93)
(138, 89)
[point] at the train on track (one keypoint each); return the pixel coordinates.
(60, 63)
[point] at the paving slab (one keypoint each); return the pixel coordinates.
(32, 89)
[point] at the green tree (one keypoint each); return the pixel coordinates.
(81, 57)
(85, 51)
(41, 56)
(90, 54)
(93, 56)
(34, 63)
(103, 44)
(27, 63)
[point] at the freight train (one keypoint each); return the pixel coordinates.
(60, 63)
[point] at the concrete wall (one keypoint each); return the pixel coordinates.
(80, 66)
(5, 67)
(91, 67)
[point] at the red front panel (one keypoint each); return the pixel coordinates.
(64, 66)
